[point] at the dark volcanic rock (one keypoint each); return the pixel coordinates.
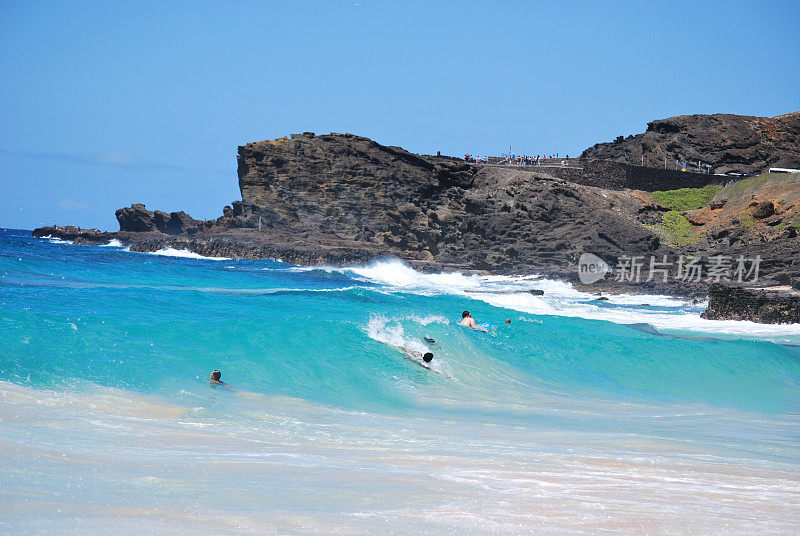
(75, 234)
(762, 210)
(757, 305)
(339, 187)
(727, 142)
(137, 219)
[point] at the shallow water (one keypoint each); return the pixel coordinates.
(580, 417)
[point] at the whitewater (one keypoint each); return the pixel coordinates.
(626, 416)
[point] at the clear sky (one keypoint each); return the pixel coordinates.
(106, 103)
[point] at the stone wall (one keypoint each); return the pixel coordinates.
(619, 176)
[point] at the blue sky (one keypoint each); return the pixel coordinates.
(108, 103)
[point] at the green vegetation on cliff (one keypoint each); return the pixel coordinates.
(687, 198)
(675, 229)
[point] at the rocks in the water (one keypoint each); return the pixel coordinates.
(74, 234)
(767, 306)
(601, 298)
(536, 292)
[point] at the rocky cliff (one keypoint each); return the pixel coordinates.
(349, 189)
(729, 143)
(345, 199)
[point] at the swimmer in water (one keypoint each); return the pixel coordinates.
(427, 356)
(414, 356)
(214, 379)
(468, 321)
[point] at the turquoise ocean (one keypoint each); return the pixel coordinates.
(630, 416)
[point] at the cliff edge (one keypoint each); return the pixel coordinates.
(728, 143)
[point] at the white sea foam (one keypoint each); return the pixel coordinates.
(391, 332)
(186, 254)
(562, 299)
(113, 243)
(381, 329)
(429, 319)
(54, 240)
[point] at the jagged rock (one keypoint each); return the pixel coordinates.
(137, 219)
(727, 142)
(341, 187)
(756, 305)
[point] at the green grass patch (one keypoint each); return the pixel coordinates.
(796, 223)
(687, 198)
(676, 230)
(747, 219)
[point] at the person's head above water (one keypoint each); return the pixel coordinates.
(427, 357)
(465, 314)
(215, 375)
(508, 320)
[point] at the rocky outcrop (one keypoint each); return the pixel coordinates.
(729, 143)
(343, 188)
(137, 219)
(767, 306)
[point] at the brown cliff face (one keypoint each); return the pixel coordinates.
(337, 183)
(729, 143)
(345, 188)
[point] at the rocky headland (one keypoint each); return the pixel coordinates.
(344, 199)
(727, 143)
